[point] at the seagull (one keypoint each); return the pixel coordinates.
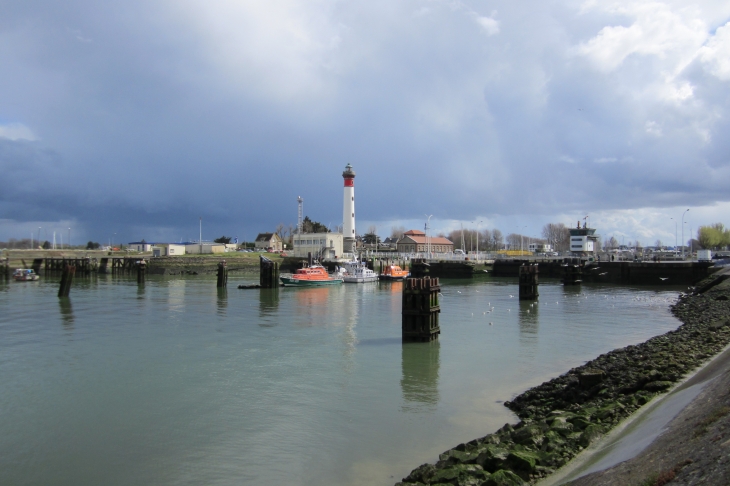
(459, 291)
(528, 311)
(511, 296)
(604, 273)
(663, 278)
(490, 323)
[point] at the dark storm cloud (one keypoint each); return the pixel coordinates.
(141, 117)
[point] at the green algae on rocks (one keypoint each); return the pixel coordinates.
(561, 417)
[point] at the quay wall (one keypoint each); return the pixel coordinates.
(633, 273)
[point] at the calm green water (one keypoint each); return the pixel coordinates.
(177, 383)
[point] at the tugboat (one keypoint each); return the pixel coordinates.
(25, 275)
(393, 272)
(312, 276)
(357, 272)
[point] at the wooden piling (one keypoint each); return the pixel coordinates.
(141, 272)
(269, 273)
(222, 275)
(420, 310)
(572, 271)
(66, 280)
(528, 282)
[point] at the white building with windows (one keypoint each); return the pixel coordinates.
(583, 240)
(540, 247)
(320, 245)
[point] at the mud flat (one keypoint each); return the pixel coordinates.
(563, 416)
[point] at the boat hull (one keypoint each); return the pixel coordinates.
(373, 278)
(391, 277)
(296, 282)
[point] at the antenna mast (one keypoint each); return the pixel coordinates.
(301, 212)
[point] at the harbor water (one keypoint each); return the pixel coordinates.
(178, 382)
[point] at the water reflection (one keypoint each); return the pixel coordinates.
(268, 306)
(67, 314)
(420, 368)
(222, 301)
(529, 321)
(572, 290)
(312, 304)
(349, 335)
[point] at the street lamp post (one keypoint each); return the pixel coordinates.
(683, 233)
(69, 239)
(675, 235)
(480, 222)
(428, 226)
(39, 235)
(520, 228)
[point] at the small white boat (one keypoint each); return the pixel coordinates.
(24, 274)
(357, 272)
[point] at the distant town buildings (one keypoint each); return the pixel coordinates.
(269, 241)
(320, 245)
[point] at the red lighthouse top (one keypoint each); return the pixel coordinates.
(349, 176)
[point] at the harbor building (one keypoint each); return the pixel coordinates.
(198, 248)
(168, 249)
(348, 211)
(324, 246)
(415, 241)
(583, 240)
(540, 247)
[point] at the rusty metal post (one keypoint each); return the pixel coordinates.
(222, 275)
(420, 309)
(529, 282)
(141, 272)
(67, 278)
(268, 273)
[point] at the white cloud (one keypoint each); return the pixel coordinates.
(16, 131)
(671, 34)
(653, 128)
(490, 26)
(716, 53)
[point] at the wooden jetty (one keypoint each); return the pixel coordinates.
(88, 265)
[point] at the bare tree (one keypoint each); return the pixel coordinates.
(513, 240)
(497, 241)
(558, 235)
(372, 229)
(610, 244)
(397, 232)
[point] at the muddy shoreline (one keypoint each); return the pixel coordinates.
(563, 416)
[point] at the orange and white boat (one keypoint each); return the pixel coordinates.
(393, 272)
(311, 276)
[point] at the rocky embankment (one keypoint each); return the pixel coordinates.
(563, 416)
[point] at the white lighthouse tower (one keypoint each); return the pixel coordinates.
(348, 211)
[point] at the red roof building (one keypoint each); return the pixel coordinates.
(415, 241)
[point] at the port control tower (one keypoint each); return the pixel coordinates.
(348, 211)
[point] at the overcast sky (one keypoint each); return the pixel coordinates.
(130, 120)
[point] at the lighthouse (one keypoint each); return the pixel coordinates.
(348, 211)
